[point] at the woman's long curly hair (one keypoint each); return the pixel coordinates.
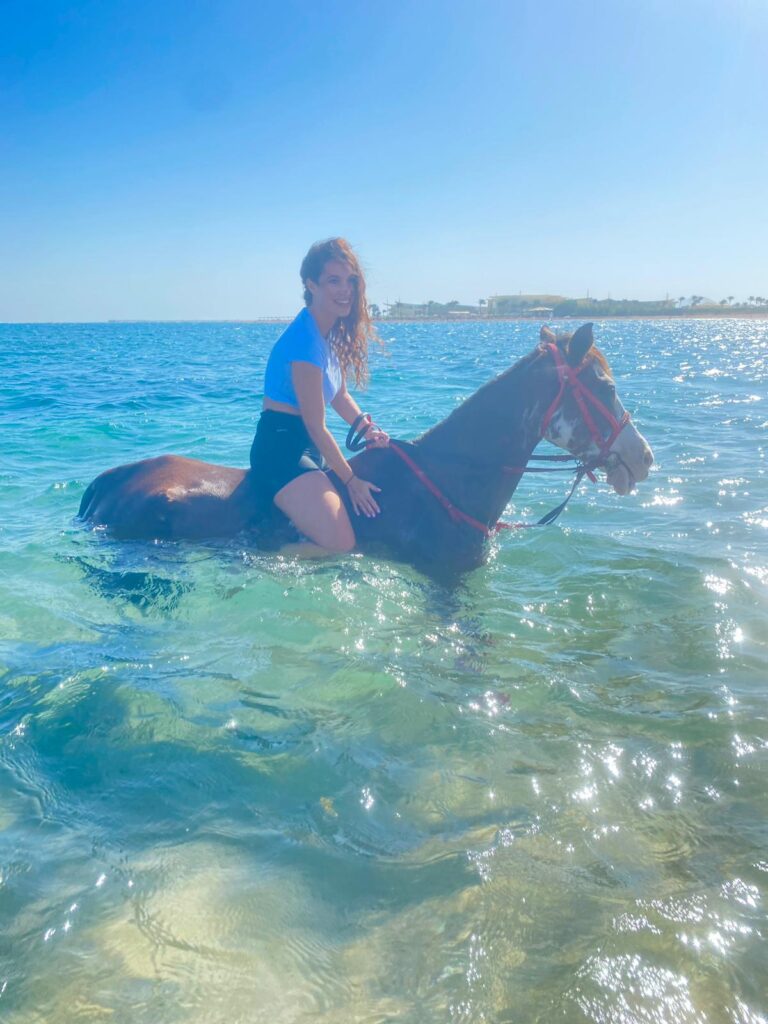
(351, 334)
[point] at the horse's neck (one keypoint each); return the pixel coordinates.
(472, 453)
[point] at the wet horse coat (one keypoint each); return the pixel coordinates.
(474, 457)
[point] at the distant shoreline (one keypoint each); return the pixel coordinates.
(565, 319)
(701, 315)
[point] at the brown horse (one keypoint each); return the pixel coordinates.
(441, 495)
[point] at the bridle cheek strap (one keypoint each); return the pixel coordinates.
(570, 376)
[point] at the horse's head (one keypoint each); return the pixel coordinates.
(586, 417)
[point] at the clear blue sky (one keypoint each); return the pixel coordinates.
(175, 158)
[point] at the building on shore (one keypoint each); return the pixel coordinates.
(429, 310)
(541, 306)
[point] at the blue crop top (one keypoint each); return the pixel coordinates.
(300, 342)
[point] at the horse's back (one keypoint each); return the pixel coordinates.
(169, 497)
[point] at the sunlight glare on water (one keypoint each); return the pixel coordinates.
(236, 788)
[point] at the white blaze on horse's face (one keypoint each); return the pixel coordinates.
(629, 457)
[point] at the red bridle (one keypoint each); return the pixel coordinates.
(569, 377)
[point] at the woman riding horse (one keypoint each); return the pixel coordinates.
(307, 369)
(440, 495)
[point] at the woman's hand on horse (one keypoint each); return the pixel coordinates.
(361, 495)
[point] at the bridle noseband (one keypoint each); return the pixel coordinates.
(569, 378)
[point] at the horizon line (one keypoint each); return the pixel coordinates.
(708, 313)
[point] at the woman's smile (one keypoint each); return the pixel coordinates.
(332, 294)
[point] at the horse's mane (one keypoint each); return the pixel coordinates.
(596, 356)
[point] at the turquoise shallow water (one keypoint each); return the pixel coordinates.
(238, 789)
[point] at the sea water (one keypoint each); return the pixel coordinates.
(235, 788)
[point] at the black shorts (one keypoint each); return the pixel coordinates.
(281, 451)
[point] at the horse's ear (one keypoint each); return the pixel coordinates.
(546, 335)
(580, 344)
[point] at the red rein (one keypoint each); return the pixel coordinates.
(455, 513)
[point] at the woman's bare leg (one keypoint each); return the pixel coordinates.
(313, 505)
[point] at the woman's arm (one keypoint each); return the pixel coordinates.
(345, 405)
(308, 385)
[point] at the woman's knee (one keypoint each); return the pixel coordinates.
(330, 528)
(344, 542)
(318, 512)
